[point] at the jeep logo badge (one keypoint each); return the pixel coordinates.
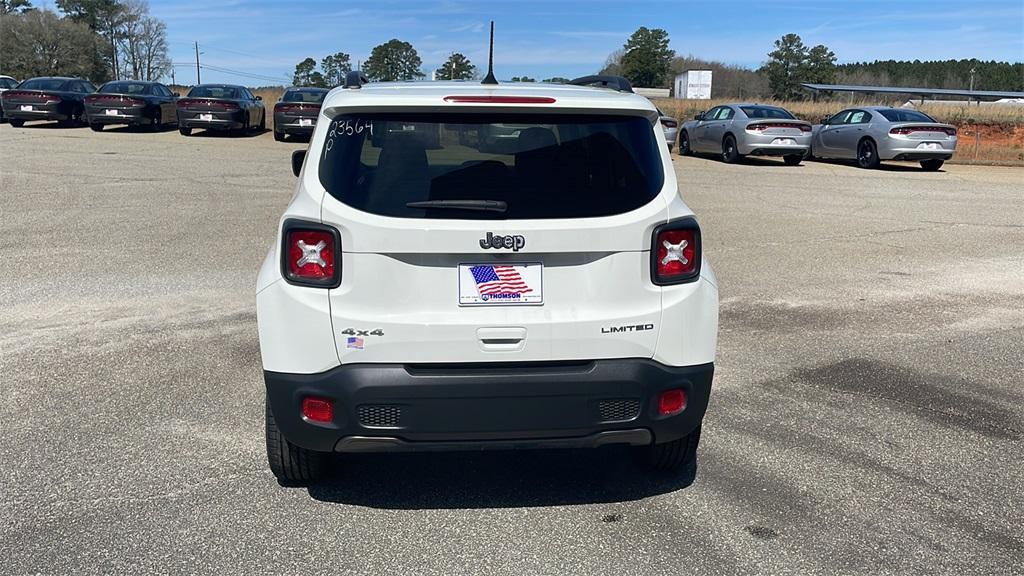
(497, 241)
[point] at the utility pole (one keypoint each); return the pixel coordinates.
(173, 83)
(972, 85)
(198, 81)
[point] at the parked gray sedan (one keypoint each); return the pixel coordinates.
(738, 130)
(871, 134)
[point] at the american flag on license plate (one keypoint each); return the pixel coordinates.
(498, 280)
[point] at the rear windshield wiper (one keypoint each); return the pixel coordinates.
(482, 205)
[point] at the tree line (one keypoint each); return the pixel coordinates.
(391, 61)
(96, 39)
(646, 60)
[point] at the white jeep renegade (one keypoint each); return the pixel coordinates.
(468, 266)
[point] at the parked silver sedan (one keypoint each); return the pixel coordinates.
(738, 130)
(671, 128)
(871, 134)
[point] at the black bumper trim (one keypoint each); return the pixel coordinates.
(635, 437)
(493, 405)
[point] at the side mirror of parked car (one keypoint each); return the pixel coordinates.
(259, 98)
(824, 120)
(177, 94)
(298, 157)
(699, 116)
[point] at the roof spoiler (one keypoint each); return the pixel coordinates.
(355, 79)
(614, 82)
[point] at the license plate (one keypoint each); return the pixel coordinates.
(111, 112)
(26, 107)
(305, 122)
(502, 284)
(929, 146)
(785, 141)
(206, 117)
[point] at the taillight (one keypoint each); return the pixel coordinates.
(671, 402)
(311, 254)
(36, 97)
(675, 252)
(281, 107)
(766, 125)
(500, 99)
(113, 99)
(318, 409)
(669, 123)
(904, 130)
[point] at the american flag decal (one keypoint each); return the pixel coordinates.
(491, 280)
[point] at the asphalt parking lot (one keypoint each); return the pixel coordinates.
(867, 416)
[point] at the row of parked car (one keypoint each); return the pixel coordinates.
(867, 135)
(74, 101)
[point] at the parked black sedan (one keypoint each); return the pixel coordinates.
(47, 98)
(6, 83)
(295, 113)
(221, 107)
(131, 102)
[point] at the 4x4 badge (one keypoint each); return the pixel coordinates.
(497, 241)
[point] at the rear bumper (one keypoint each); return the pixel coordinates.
(904, 148)
(290, 124)
(220, 121)
(98, 115)
(396, 407)
(769, 145)
(44, 114)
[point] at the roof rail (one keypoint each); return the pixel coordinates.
(355, 79)
(614, 82)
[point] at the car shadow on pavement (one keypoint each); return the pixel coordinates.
(884, 167)
(200, 133)
(494, 479)
(749, 161)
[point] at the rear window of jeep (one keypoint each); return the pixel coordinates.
(485, 167)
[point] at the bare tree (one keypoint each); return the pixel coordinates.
(142, 43)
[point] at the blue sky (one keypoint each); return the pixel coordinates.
(574, 37)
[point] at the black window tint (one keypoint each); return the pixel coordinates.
(896, 115)
(7, 83)
(307, 96)
(839, 118)
(43, 84)
(766, 112)
(125, 88)
(541, 166)
(711, 114)
(214, 92)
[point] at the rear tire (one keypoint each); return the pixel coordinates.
(867, 154)
(263, 123)
(16, 123)
(932, 165)
(184, 131)
(730, 154)
(793, 159)
(671, 456)
(684, 144)
(96, 127)
(290, 463)
(157, 122)
(279, 136)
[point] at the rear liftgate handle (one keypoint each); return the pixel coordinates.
(507, 339)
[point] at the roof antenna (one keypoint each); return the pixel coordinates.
(490, 79)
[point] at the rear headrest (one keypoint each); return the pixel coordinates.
(535, 138)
